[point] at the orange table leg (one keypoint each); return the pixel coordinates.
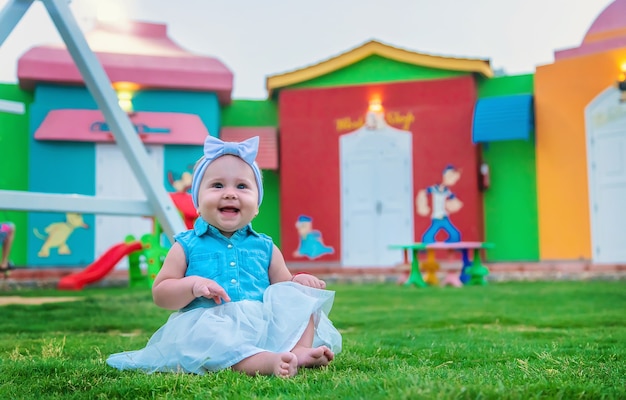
(430, 267)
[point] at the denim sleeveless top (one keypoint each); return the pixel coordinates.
(239, 264)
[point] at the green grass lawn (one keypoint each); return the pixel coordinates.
(517, 340)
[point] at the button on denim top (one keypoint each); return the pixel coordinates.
(239, 264)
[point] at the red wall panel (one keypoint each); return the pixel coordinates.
(437, 112)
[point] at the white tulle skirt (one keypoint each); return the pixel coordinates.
(212, 339)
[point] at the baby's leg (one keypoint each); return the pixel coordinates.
(311, 357)
(283, 365)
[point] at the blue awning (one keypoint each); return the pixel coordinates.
(503, 118)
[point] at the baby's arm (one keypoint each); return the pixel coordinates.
(173, 290)
(279, 272)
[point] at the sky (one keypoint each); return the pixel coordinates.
(261, 38)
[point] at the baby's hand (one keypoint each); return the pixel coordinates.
(309, 280)
(209, 289)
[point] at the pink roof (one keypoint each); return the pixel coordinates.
(610, 20)
(607, 32)
(267, 158)
(137, 52)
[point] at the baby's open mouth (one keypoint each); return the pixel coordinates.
(229, 210)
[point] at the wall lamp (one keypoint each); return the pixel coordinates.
(621, 84)
(125, 92)
(375, 118)
(375, 105)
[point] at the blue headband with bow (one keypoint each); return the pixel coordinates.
(214, 148)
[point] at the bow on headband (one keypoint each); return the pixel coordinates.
(214, 148)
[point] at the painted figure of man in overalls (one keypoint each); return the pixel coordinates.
(444, 202)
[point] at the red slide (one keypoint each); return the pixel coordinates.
(99, 268)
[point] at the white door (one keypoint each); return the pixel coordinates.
(114, 178)
(606, 156)
(376, 196)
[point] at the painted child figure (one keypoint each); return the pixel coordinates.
(238, 305)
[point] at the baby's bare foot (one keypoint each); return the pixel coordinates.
(313, 357)
(287, 365)
(284, 365)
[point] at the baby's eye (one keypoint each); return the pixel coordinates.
(242, 186)
(217, 185)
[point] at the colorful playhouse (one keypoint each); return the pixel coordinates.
(376, 146)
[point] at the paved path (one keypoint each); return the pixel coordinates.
(333, 273)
